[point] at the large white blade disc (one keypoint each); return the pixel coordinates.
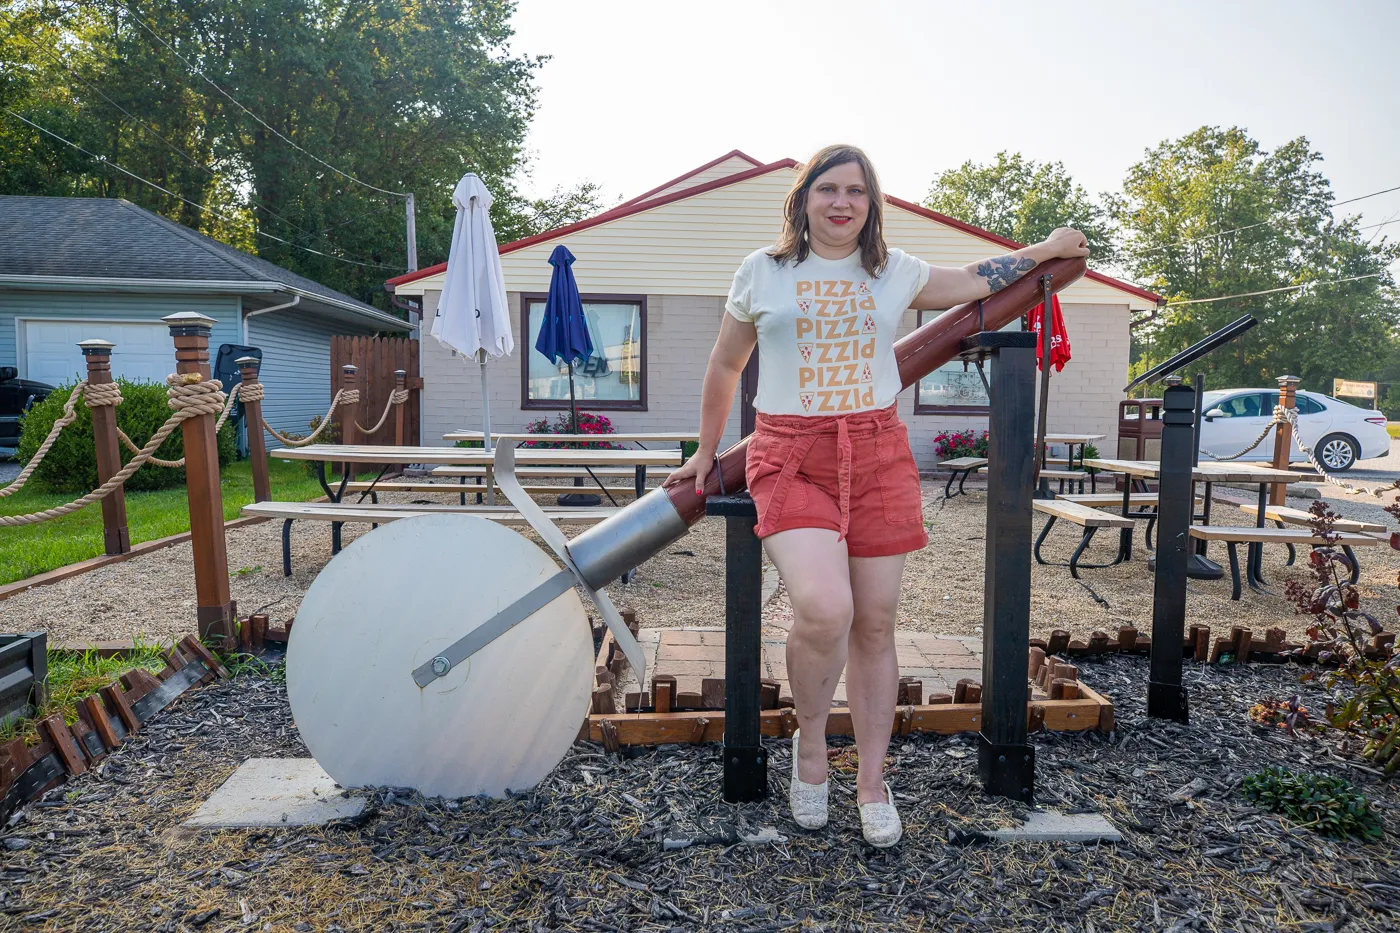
(392, 601)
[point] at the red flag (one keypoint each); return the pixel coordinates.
(1059, 337)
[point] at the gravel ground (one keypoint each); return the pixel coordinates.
(585, 850)
(153, 595)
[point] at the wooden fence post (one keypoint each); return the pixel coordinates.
(349, 413)
(248, 367)
(1283, 435)
(399, 376)
(116, 539)
(216, 612)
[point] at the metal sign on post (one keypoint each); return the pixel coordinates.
(1350, 389)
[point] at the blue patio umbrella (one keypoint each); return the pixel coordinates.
(564, 330)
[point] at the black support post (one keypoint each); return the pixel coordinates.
(1006, 761)
(1166, 697)
(745, 760)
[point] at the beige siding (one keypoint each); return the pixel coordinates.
(692, 246)
(732, 166)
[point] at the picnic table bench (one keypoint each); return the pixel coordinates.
(1252, 535)
(961, 468)
(463, 488)
(1286, 515)
(375, 515)
(1086, 517)
(1070, 476)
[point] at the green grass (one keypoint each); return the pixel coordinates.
(74, 676)
(31, 549)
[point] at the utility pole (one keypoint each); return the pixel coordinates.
(412, 234)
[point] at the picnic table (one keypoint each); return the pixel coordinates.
(1072, 441)
(631, 437)
(1140, 471)
(468, 456)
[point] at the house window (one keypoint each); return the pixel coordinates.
(612, 378)
(954, 388)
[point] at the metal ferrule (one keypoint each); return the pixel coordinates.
(640, 531)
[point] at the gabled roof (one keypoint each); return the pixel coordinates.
(110, 239)
(731, 154)
(646, 202)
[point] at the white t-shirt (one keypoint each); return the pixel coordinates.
(826, 329)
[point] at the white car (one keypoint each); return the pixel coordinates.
(1339, 434)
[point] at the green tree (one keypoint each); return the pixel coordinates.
(405, 95)
(1023, 200)
(1213, 214)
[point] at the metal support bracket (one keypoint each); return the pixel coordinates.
(1006, 770)
(496, 626)
(546, 529)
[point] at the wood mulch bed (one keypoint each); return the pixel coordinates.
(645, 843)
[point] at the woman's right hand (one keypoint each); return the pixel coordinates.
(697, 467)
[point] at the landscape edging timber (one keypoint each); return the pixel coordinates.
(103, 721)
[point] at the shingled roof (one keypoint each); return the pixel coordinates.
(111, 238)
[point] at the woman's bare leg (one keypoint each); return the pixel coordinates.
(872, 670)
(815, 567)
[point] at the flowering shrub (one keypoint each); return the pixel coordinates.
(952, 444)
(563, 424)
(1370, 715)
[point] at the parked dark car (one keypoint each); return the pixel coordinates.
(16, 396)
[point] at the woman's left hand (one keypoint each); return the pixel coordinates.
(1067, 243)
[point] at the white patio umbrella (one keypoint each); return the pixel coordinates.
(472, 316)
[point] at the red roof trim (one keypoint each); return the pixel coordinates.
(607, 217)
(731, 154)
(1012, 244)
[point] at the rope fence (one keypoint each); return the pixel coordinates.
(1289, 416)
(396, 397)
(343, 397)
(189, 397)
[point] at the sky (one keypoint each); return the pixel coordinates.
(636, 93)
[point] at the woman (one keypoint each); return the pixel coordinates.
(829, 464)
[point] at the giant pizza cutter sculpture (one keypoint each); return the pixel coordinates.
(452, 655)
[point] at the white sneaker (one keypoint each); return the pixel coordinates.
(808, 801)
(880, 822)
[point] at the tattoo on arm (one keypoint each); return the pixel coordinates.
(1003, 270)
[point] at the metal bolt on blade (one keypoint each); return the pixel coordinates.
(441, 665)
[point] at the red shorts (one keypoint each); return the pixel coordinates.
(853, 474)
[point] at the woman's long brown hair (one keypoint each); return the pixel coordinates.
(793, 245)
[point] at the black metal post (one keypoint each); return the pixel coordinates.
(1046, 342)
(1166, 698)
(745, 760)
(1006, 761)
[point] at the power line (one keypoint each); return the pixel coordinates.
(1262, 223)
(1271, 291)
(106, 161)
(150, 129)
(264, 123)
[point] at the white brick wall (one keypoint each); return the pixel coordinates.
(681, 330)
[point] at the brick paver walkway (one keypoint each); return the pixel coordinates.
(693, 654)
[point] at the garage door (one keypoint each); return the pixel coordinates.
(144, 352)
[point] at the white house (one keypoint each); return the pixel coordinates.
(654, 272)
